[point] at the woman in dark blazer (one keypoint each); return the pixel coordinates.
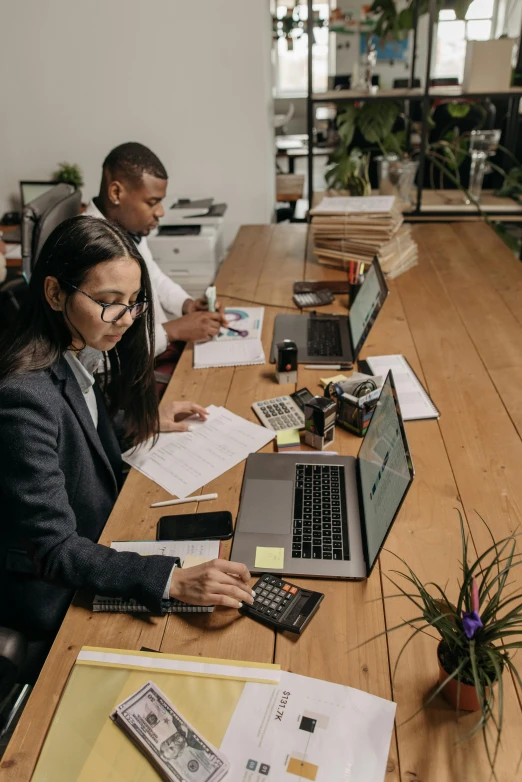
(60, 465)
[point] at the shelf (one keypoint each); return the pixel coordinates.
(435, 93)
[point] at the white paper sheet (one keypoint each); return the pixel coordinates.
(182, 462)
(340, 732)
(413, 399)
(208, 549)
(356, 204)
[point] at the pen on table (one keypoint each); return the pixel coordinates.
(328, 366)
(235, 331)
(199, 498)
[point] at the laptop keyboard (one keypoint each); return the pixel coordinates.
(320, 518)
(324, 337)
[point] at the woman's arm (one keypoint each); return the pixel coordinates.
(38, 511)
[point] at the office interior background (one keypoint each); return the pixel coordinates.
(203, 84)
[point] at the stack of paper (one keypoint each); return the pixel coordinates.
(182, 462)
(349, 231)
(237, 346)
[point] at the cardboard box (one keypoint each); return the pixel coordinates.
(488, 65)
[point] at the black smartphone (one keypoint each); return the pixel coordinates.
(196, 526)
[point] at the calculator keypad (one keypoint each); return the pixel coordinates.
(281, 413)
(273, 597)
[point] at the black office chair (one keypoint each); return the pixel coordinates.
(14, 691)
(40, 217)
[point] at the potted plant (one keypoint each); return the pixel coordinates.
(480, 628)
(395, 24)
(349, 171)
(70, 173)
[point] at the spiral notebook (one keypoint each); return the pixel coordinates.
(200, 549)
(236, 346)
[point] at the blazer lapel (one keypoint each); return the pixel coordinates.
(73, 394)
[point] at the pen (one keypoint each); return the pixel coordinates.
(328, 366)
(199, 498)
(235, 331)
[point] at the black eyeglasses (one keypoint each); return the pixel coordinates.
(112, 312)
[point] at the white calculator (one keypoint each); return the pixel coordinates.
(283, 412)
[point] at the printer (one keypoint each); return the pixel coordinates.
(188, 244)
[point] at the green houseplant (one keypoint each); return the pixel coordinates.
(393, 23)
(479, 632)
(70, 173)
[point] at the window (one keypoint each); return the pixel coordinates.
(290, 50)
(453, 33)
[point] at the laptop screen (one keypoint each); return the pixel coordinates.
(385, 470)
(367, 306)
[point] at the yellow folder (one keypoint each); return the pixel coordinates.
(83, 744)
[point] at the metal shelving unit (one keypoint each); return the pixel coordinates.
(423, 95)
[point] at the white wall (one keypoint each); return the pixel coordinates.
(188, 78)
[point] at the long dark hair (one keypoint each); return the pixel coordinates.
(40, 334)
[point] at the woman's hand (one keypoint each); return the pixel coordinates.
(218, 582)
(172, 415)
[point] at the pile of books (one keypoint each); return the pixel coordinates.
(349, 231)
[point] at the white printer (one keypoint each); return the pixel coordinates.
(188, 245)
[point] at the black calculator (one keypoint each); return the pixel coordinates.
(281, 605)
(313, 298)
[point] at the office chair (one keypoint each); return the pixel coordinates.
(39, 218)
(281, 120)
(13, 691)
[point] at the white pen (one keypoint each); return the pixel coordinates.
(328, 366)
(199, 498)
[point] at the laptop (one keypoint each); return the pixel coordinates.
(335, 339)
(330, 514)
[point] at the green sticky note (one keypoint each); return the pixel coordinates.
(270, 558)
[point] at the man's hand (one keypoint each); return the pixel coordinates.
(172, 415)
(201, 305)
(195, 327)
(218, 582)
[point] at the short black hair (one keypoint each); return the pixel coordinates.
(131, 160)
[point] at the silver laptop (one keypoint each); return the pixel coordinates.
(327, 339)
(330, 514)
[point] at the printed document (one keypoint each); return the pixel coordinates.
(307, 729)
(182, 462)
(413, 399)
(355, 205)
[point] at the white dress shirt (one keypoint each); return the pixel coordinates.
(84, 364)
(168, 296)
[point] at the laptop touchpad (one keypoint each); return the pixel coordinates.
(267, 507)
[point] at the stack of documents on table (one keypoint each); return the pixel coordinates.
(182, 462)
(415, 403)
(269, 724)
(349, 231)
(230, 348)
(184, 550)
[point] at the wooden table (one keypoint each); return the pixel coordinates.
(457, 317)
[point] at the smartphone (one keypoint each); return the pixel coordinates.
(196, 526)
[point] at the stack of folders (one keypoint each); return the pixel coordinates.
(349, 231)
(202, 549)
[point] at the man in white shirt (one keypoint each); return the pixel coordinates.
(133, 185)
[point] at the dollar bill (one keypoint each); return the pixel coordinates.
(177, 751)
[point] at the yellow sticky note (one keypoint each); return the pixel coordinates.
(334, 379)
(270, 558)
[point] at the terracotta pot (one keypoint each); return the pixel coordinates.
(466, 693)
